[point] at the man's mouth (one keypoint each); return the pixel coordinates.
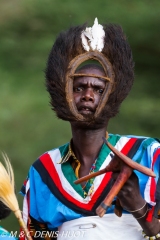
(86, 110)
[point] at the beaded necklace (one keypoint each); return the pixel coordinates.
(88, 188)
(90, 183)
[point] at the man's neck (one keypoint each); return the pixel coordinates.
(86, 144)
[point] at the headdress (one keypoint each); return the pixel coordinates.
(106, 44)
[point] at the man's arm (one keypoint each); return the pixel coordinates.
(132, 201)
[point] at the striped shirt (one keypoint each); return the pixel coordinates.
(52, 198)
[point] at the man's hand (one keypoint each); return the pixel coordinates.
(129, 195)
(131, 200)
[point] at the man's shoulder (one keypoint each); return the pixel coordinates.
(144, 139)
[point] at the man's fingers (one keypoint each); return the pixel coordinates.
(115, 175)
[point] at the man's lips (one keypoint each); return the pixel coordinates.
(85, 109)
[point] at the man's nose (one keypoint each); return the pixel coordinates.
(88, 95)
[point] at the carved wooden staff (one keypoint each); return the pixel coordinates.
(126, 166)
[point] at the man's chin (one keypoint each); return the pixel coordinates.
(89, 123)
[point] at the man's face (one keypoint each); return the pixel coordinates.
(87, 91)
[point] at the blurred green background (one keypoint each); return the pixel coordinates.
(27, 31)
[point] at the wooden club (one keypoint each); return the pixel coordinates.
(126, 166)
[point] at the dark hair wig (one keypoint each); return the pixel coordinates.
(67, 47)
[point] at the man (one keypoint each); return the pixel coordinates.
(89, 73)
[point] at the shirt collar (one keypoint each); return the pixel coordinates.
(69, 154)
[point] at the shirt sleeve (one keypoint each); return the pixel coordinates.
(148, 155)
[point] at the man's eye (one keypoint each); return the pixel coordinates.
(100, 91)
(78, 89)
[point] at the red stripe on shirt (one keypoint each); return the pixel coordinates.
(106, 179)
(153, 181)
(48, 164)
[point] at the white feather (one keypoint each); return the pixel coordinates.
(88, 33)
(93, 38)
(85, 42)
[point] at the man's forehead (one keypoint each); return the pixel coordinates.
(90, 73)
(89, 80)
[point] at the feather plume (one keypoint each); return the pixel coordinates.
(93, 38)
(7, 192)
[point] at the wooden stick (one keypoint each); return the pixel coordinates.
(126, 171)
(129, 161)
(89, 75)
(126, 166)
(120, 181)
(114, 164)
